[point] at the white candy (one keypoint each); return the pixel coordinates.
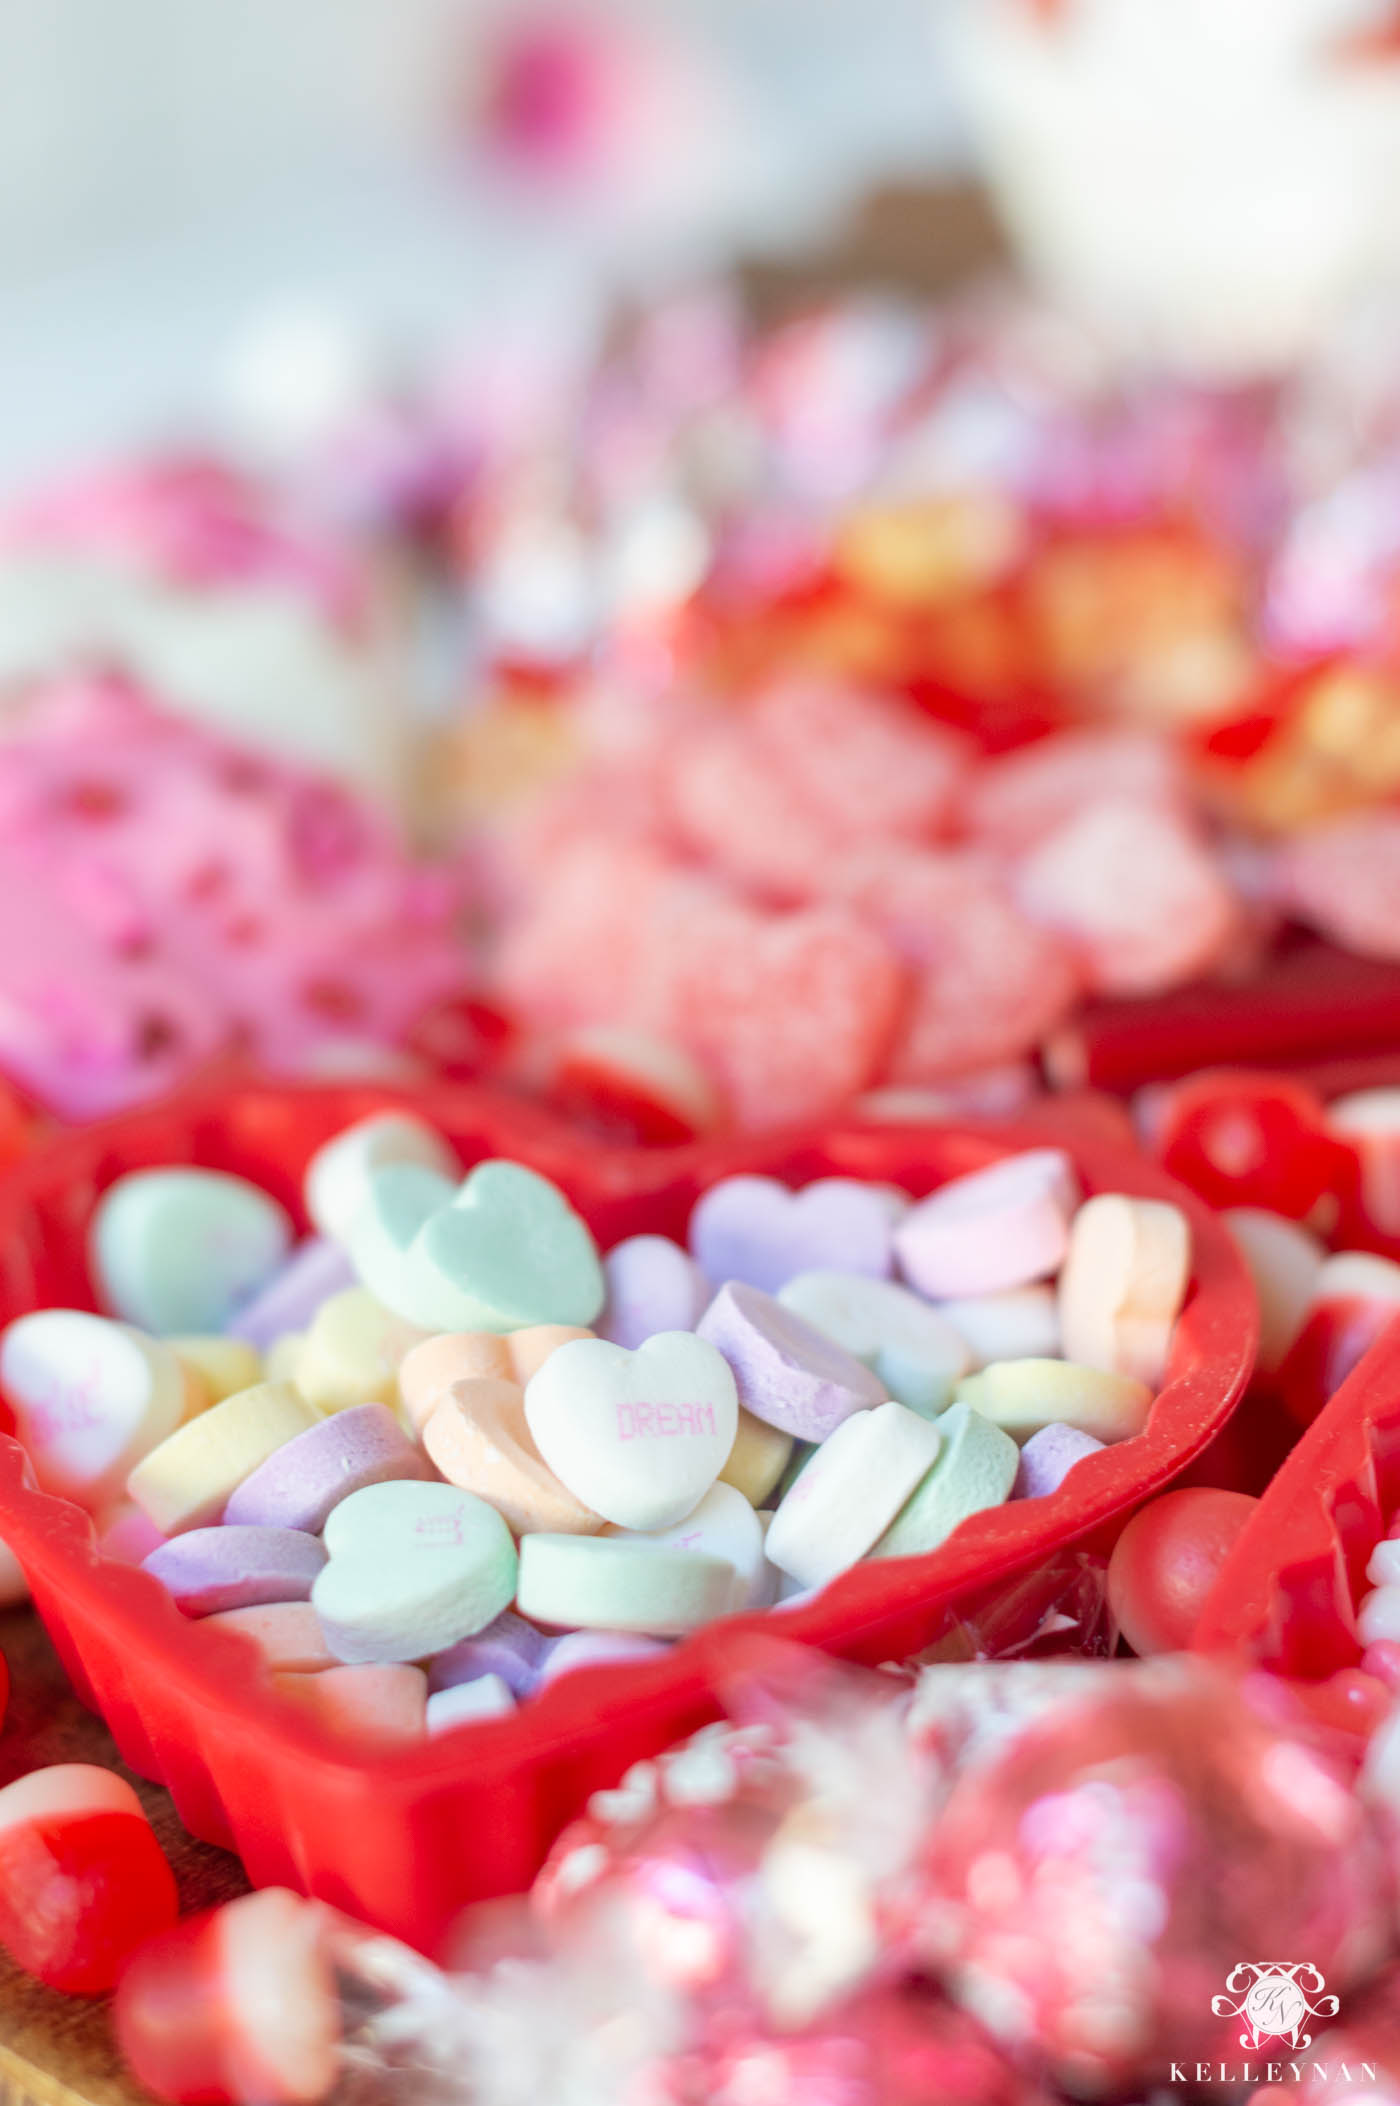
(1021, 1396)
(850, 1492)
(1379, 1617)
(1022, 1323)
(976, 1468)
(638, 1437)
(466, 1702)
(90, 1399)
(1284, 1262)
(918, 1355)
(1384, 1568)
(723, 1525)
(338, 1175)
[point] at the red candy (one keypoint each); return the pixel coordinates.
(1167, 1560)
(83, 1881)
(1244, 1140)
(988, 985)
(234, 2006)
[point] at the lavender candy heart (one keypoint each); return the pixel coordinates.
(314, 1272)
(755, 1230)
(653, 1285)
(210, 1569)
(1047, 1459)
(302, 1482)
(787, 1373)
(509, 1647)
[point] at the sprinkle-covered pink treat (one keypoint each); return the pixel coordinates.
(167, 896)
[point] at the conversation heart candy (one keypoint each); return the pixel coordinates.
(379, 1704)
(1019, 1323)
(637, 1437)
(916, 1352)
(1048, 1457)
(352, 1352)
(596, 1648)
(850, 1492)
(412, 1569)
(209, 1569)
(601, 1584)
(180, 1250)
(399, 1201)
(504, 1251)
(758, 1458)
(1124, 1281)
(1004, 1226)
(288, 1301)
(976, 1468)
(467, 1702)
(90, 1398)
(478, 1436)
(220, 1366)
(1021, 1396)
(430, 1369)
(653, 1285)
(287, 1634)
(302, 1481)
(787, 1373)
(756, 1230)
(338, 1175)
(723, 1525)
(509, 1647)
(189, 1479)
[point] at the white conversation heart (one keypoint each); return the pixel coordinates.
(413, 1568)
(337, 1181)
(917, 1353)
(638, 1437)
(90, 1399)
(723, 1525)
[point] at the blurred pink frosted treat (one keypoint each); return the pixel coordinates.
(167, 896)
(194, 578)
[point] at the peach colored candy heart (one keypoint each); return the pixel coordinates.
(475, 1356)
(1123, 1283)
(288, 1635)
(383, 1703)
(478, 1436)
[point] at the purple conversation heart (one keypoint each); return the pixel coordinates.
(314, 1272)
(509, 1647)
(306, 1477)
(1047, 1459)
(211, 1569)
(786, 1372)
(756, 1230)
(653, 1285)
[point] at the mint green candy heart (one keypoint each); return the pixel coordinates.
(503, 1251)
(402, 1198)
(178, 1251)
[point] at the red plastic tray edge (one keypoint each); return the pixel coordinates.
(192, 1707)
(1285, 1596)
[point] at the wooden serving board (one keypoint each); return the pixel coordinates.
(58, 2050)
